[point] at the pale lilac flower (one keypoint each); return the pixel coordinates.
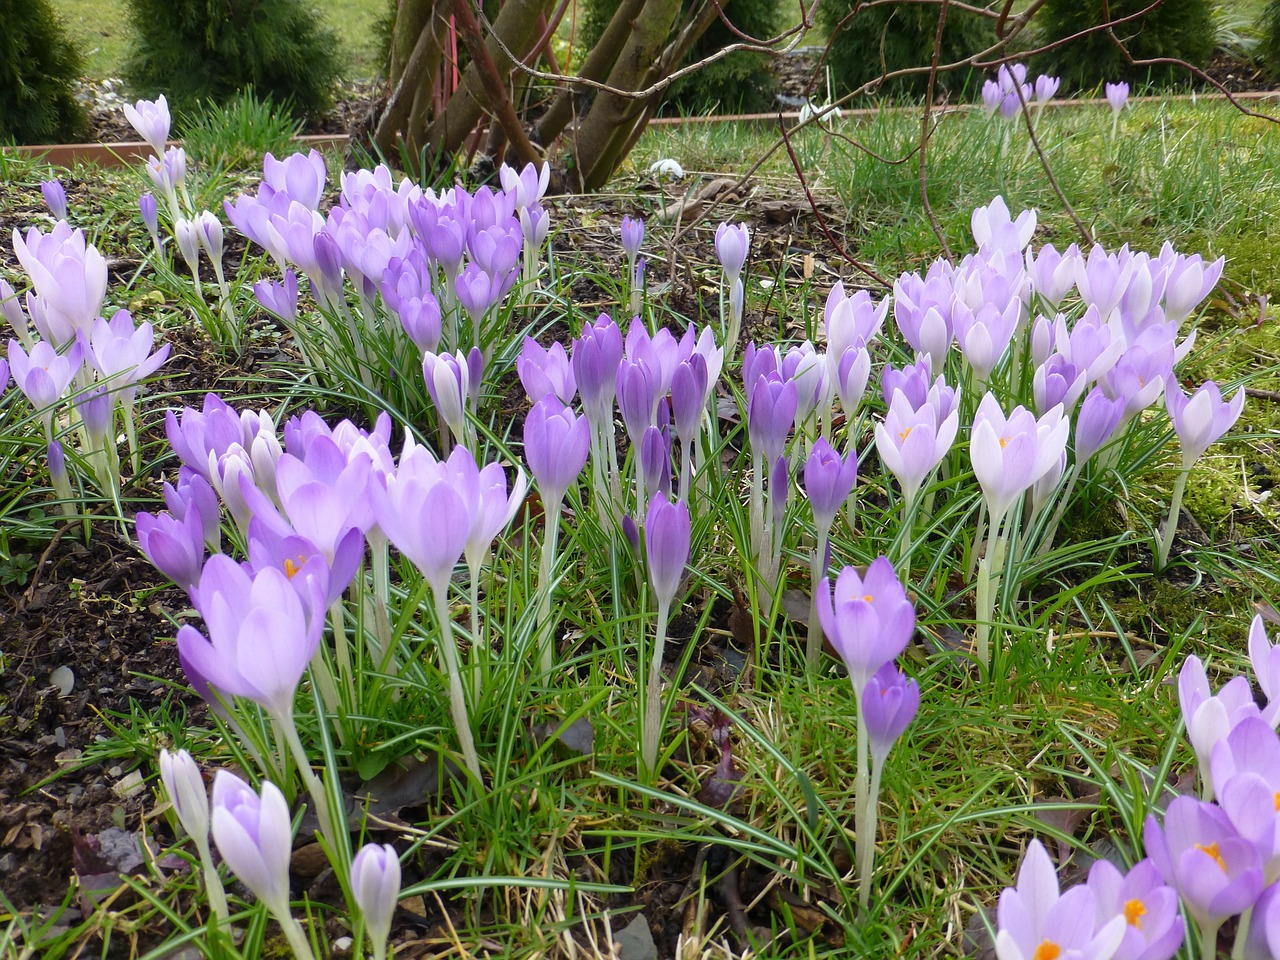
(209, 233)
(733, 241)
(1264, 657)
(375, 886)
(1053, 274)
(150, 216)
(69, 276)
(1010, 454)
(493, 507)
(1263, 939)
(188, 238)
(771, 413)
(911, 443)
(300, 175)
(984, 335)
(280, 298)
(992, 97)
(994, 226)
(1102, 278)
(596, 356)
(121, 353)
(1209, 718)
(1217, 872)
(254, 834)
(1201, 419)
(868, 620)
(1056, 382)
(1045, 87)
(1245, 772)
(1153, 927)
(260, 635)
(175, 546)
(632, 232)
(168, 173)
(1117, 94)
(44, 375)
(1036, 922)
(852, 320)
(449, 382)
(546, 370)
(151, 119)
(1096, 421)
(528, 186)
(55, 198)
(185, 787)
(1188, 281)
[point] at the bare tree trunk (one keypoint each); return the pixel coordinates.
(517, 27)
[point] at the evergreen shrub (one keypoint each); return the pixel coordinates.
(1267, 52)
(881, 39)
(1182, 29)
(38, 67)
(211, 50)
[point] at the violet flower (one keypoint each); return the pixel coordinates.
(448, 381)
(175, 546)
(1153, 926)
(1046, 87)
(1010, 454)
(1035, 922)
(190, 801)
(545, 370)
(1217, 872)
(1117, 95)
(994, 226)
(55, 198)
(632, 232)
(667, 540)
(300, 175)
(375, 886)
(868, 620)
(44, 375)
(556, 442)
(1245, 771)
(255, 837)
(911, 443)
(1264, 657)
(280, 298)
(889, 704)
(69, 277)
(150, 217)
(1209, 718)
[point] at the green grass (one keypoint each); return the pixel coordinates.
(1084, 713)
(101, 31)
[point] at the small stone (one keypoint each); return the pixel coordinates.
(130, 784)
(63, 679)
(342, 945)
(635, 942)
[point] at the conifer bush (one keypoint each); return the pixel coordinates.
(1182, 29)
(881, 39)
(211, 50)
(38, 66)
(1268, 49)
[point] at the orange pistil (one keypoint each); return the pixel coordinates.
(905, 433)
(290, 568)
(1134, 911)
(1275, 799)
(1048, 950)
(1004, 442)
(1213, 851)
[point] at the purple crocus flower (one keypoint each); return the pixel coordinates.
(911, 443)
(260, 635)
(655, 461)
(868, 620)
(889, 703)
(1201, 419)
(122, 353)
(1264, 657)
(195, 434)
(375, 886)
(175, 546)
(55, 198)
(449, 383)
(1036, 922)
(771, 413)
(1153, 927)
(44, 375)
(1209, 718)
(1045, 87)
(187, 795)
(595, 359)
(150, 216)
(632, 237)
(1188, 281)
(556, 443)
(1117, 94)
(1245, 772)
(69, 277)
(188, 239)
(852, 320)
(1057, 382)
(280, 298)
(1096, 421)
(992, 97)
(666, 543)
(690, 391)
(528, 185)
(254, 834)
(476, 291)
(300, 175)
(733, 241)
(1217, 872)
(209, 233)
(984, 335)
(1010, 454)
(828, 482)
(151, 119)
(1263, 939)
(493, 507)
(546, 370)
(1053, 274)
(169, 172)
(535, 224)
(195, 495)
(424, 514)
(995, 227)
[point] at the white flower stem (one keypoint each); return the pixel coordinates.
(1170, 529)
(862, 790)
(867, 850)
(546, 567)
(287, 729)
(292, 931)
(652, 685)
(212, 882)
(457, 696)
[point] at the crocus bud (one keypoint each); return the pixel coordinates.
(556, 443)
(375, 885)
(254, 834)
(151, 119)
(150, 215)
(280, 298)
(188, 242)
(889, 703)
(1046, 86)
(1117, 94)
(55, 197)
(733, 242)
(209, 233)
(655, 460)
(828, 481)
(632, 236)
(666, 540)
(185, 787)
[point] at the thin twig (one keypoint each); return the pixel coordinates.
(813, 205)
(1048, 171)
(924, 135)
